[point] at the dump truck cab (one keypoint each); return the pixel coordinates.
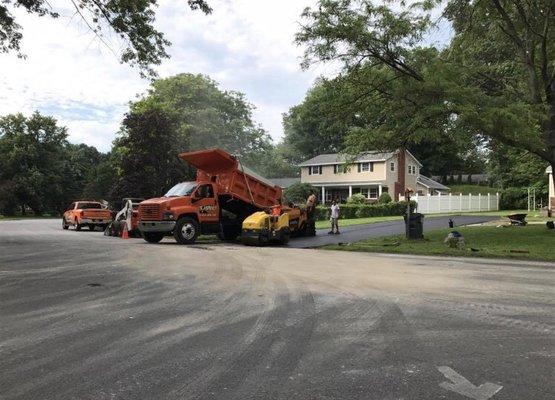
(222, 196)
(192, 207)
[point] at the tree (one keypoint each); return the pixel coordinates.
(496, 80)
(146, 153)
(299, 192)
(336, 110)
(31, 167)
(319, 124)
(510, 167)
(183, 113)
(131, 20)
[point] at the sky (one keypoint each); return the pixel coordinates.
(245, 45)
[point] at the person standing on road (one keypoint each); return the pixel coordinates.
(310, 204)
(334, 218)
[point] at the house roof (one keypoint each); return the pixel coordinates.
(430, 183)
(255, 175)
(548, 170)
(285, 182)
(327, 159)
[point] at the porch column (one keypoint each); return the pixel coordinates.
(350, 190)
(379, 190)
(323, 195)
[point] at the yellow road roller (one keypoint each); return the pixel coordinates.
(276, 226)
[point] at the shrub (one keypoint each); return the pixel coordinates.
(513, 198)
(385, 198)
(366, 210)
(356, 199)
(298, 193)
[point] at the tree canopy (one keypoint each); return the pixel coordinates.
(494, 81)
(131, 20)
(336, 114)
(185, 112)
(40, 170)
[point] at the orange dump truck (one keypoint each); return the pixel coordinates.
(222, 196)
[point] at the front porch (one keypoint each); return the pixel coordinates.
(342, 192)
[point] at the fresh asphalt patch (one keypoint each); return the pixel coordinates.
(236, 322)
(356, 233)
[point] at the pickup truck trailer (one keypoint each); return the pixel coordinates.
(86, 213)
(222, 196)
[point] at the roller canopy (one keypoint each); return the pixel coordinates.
(212, 161)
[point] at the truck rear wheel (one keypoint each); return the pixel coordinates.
(186, 231)
(65, 225)
(152, 237)
(77, 225)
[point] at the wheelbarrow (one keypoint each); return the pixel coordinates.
(517, 219)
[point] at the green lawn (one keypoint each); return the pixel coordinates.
(502, 214)
(472, 189)
(533, 242)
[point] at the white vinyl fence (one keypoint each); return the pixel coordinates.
(456, 203)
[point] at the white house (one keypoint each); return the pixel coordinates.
(371, 174)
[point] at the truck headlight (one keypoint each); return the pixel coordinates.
(169, 215)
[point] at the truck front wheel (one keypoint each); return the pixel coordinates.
(186, 231)
(152, 237)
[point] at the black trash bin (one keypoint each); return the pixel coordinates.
(416, 226)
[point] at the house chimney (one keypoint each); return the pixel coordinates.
(401, 171)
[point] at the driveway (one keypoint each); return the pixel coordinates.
(355, 233)
(89, 317)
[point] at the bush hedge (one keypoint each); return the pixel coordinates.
(365, 210)
(356, 199)
(513, 198)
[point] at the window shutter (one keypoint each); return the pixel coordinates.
(319, 170)
(358, 165)
(371, 167)
(309, 170)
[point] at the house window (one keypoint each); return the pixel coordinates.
(412, 170)
(392, 167)
(373, 193)
(364, 192)
(315, 170)
(338, 168)
(366, 167)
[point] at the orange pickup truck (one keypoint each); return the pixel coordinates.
(86, 213)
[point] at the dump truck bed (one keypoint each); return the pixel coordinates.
(233, 179)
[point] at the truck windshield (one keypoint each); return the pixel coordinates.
(181, 189)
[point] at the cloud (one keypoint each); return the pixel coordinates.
(245, 45)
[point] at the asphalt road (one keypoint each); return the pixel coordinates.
(83, 316)
(355, 233)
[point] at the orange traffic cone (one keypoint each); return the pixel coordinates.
(124, 233)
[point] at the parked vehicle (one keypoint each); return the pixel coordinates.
(86, 213)
(222, 196)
